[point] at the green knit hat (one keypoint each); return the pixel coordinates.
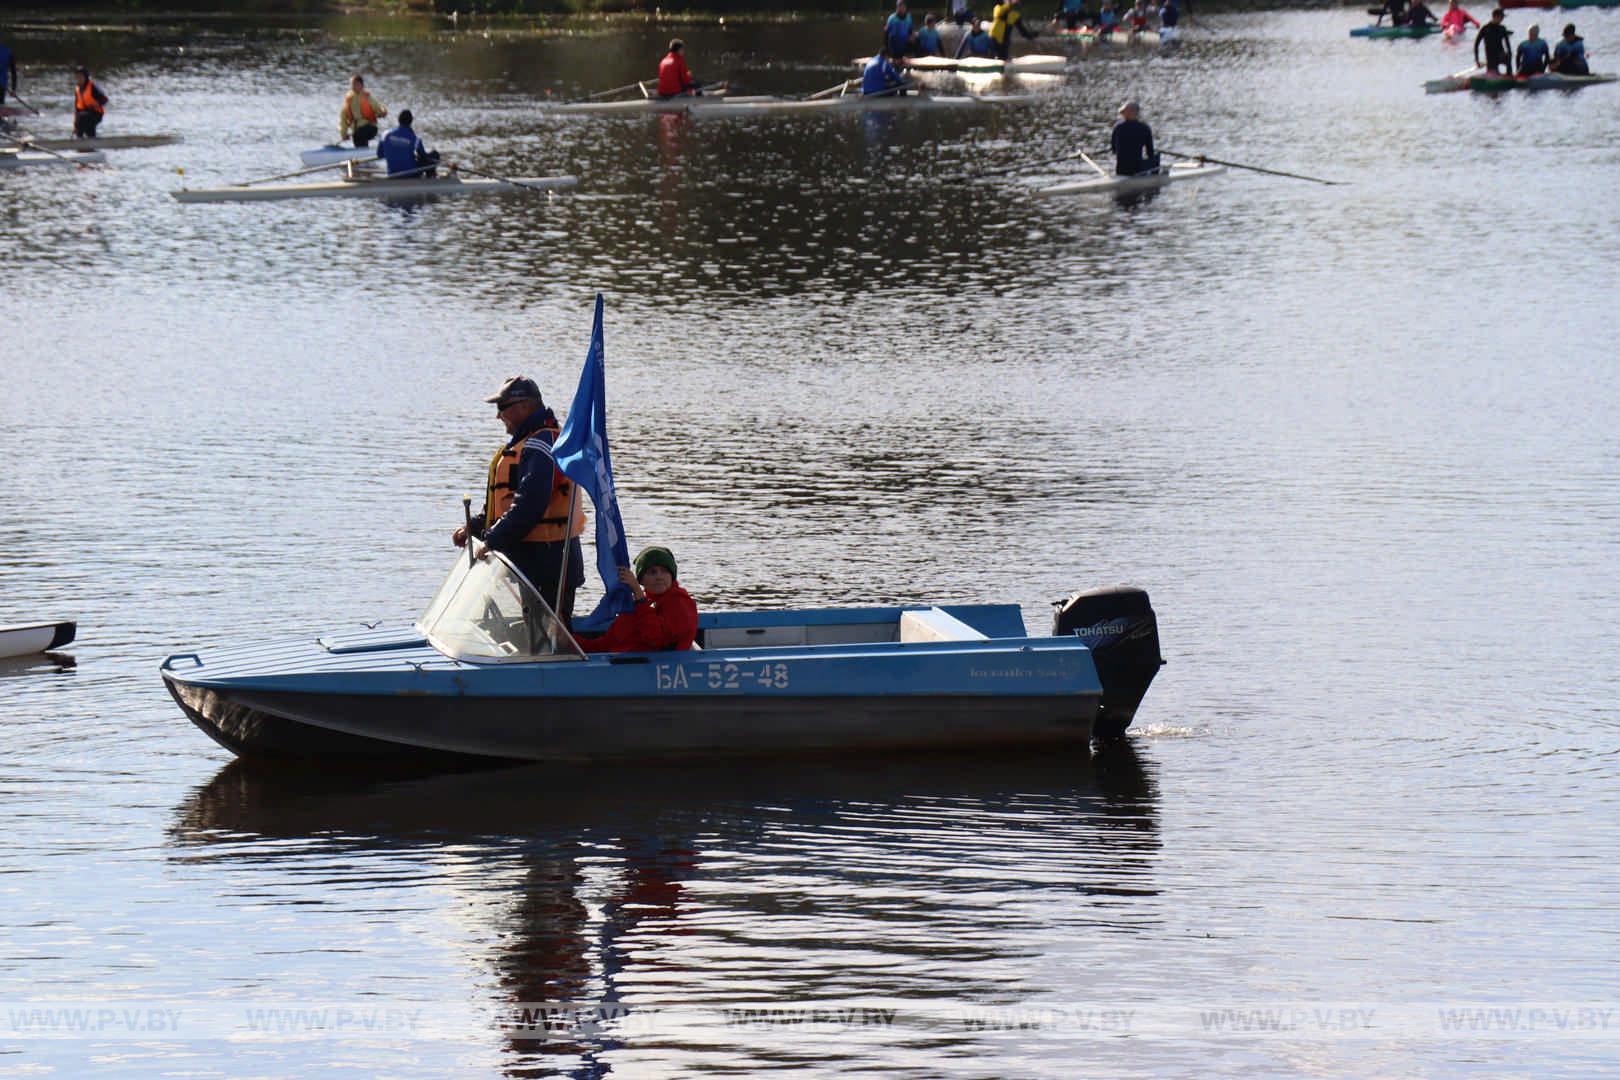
(656, 556)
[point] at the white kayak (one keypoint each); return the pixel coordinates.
(861, 103)
(369, 187)
(1110, 185)
(1034, 64)
(332, 153)
(35, 637)
(22, 159)
(102, 142)
(1119, 36)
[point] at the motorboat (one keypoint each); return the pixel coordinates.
(26, 639)
(490, 673)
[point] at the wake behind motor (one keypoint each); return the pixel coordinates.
(1118, 626)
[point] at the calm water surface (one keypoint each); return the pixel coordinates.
(1357, 441)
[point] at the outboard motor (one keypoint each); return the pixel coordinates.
(1118, 626)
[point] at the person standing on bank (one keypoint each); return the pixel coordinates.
(1132, 143)
(1498, 46)
(532, 512)
(89, 105)
(360, 114)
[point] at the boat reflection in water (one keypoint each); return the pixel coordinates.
(934, 881)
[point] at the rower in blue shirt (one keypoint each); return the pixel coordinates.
(881, 76)
(1107, 20)
(1072, 12)
(402, 149)
(1132, 143)
(1533, 53)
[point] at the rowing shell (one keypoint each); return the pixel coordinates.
(1491, 84)
(332, 153)
(1089, 36)
(1112, 185)
(859, 103)
(412, 187)
(1033, 64)
(35, 637)
(22, 159)
(645, 106)
(1394, 31)
(103, 142)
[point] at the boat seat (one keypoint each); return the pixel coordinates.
(932, 624)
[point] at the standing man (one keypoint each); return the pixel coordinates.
(527, 501)
(897, 31)
(405, 154)
(1004, 17)
(8, 72)
(360, 114)
(674, 79)
(1132, 143)
(1533, 53)
(1498, 48)
(89, 105)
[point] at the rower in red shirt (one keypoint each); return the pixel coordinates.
(673, 77)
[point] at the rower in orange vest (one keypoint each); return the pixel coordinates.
(89, 105)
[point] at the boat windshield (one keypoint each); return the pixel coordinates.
(486, 612)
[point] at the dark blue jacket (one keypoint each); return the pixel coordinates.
(1132, 143)
(400, 148)
(531, 487)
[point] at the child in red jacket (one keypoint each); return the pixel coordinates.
(664, 618)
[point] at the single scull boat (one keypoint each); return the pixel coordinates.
(374, 188)
(22, 159)
(101, 142)
(1034, 64)
(1105, 184)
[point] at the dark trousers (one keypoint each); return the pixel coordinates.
(364, 134)
(542, 563)
(85, 122)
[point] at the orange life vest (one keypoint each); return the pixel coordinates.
(84, 98)
(498, 495)
(368, 112)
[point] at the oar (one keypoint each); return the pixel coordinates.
(29, 144)
(600, 94)
(1093, 164)
(289, 176)
(898, 88)
(1013, 168)
(1251, 168)
(466, 511)
(829, 92)
(491, 176)
(18, 98)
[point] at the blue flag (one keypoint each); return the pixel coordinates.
(581, 452)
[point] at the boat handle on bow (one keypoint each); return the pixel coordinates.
(168, 665)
